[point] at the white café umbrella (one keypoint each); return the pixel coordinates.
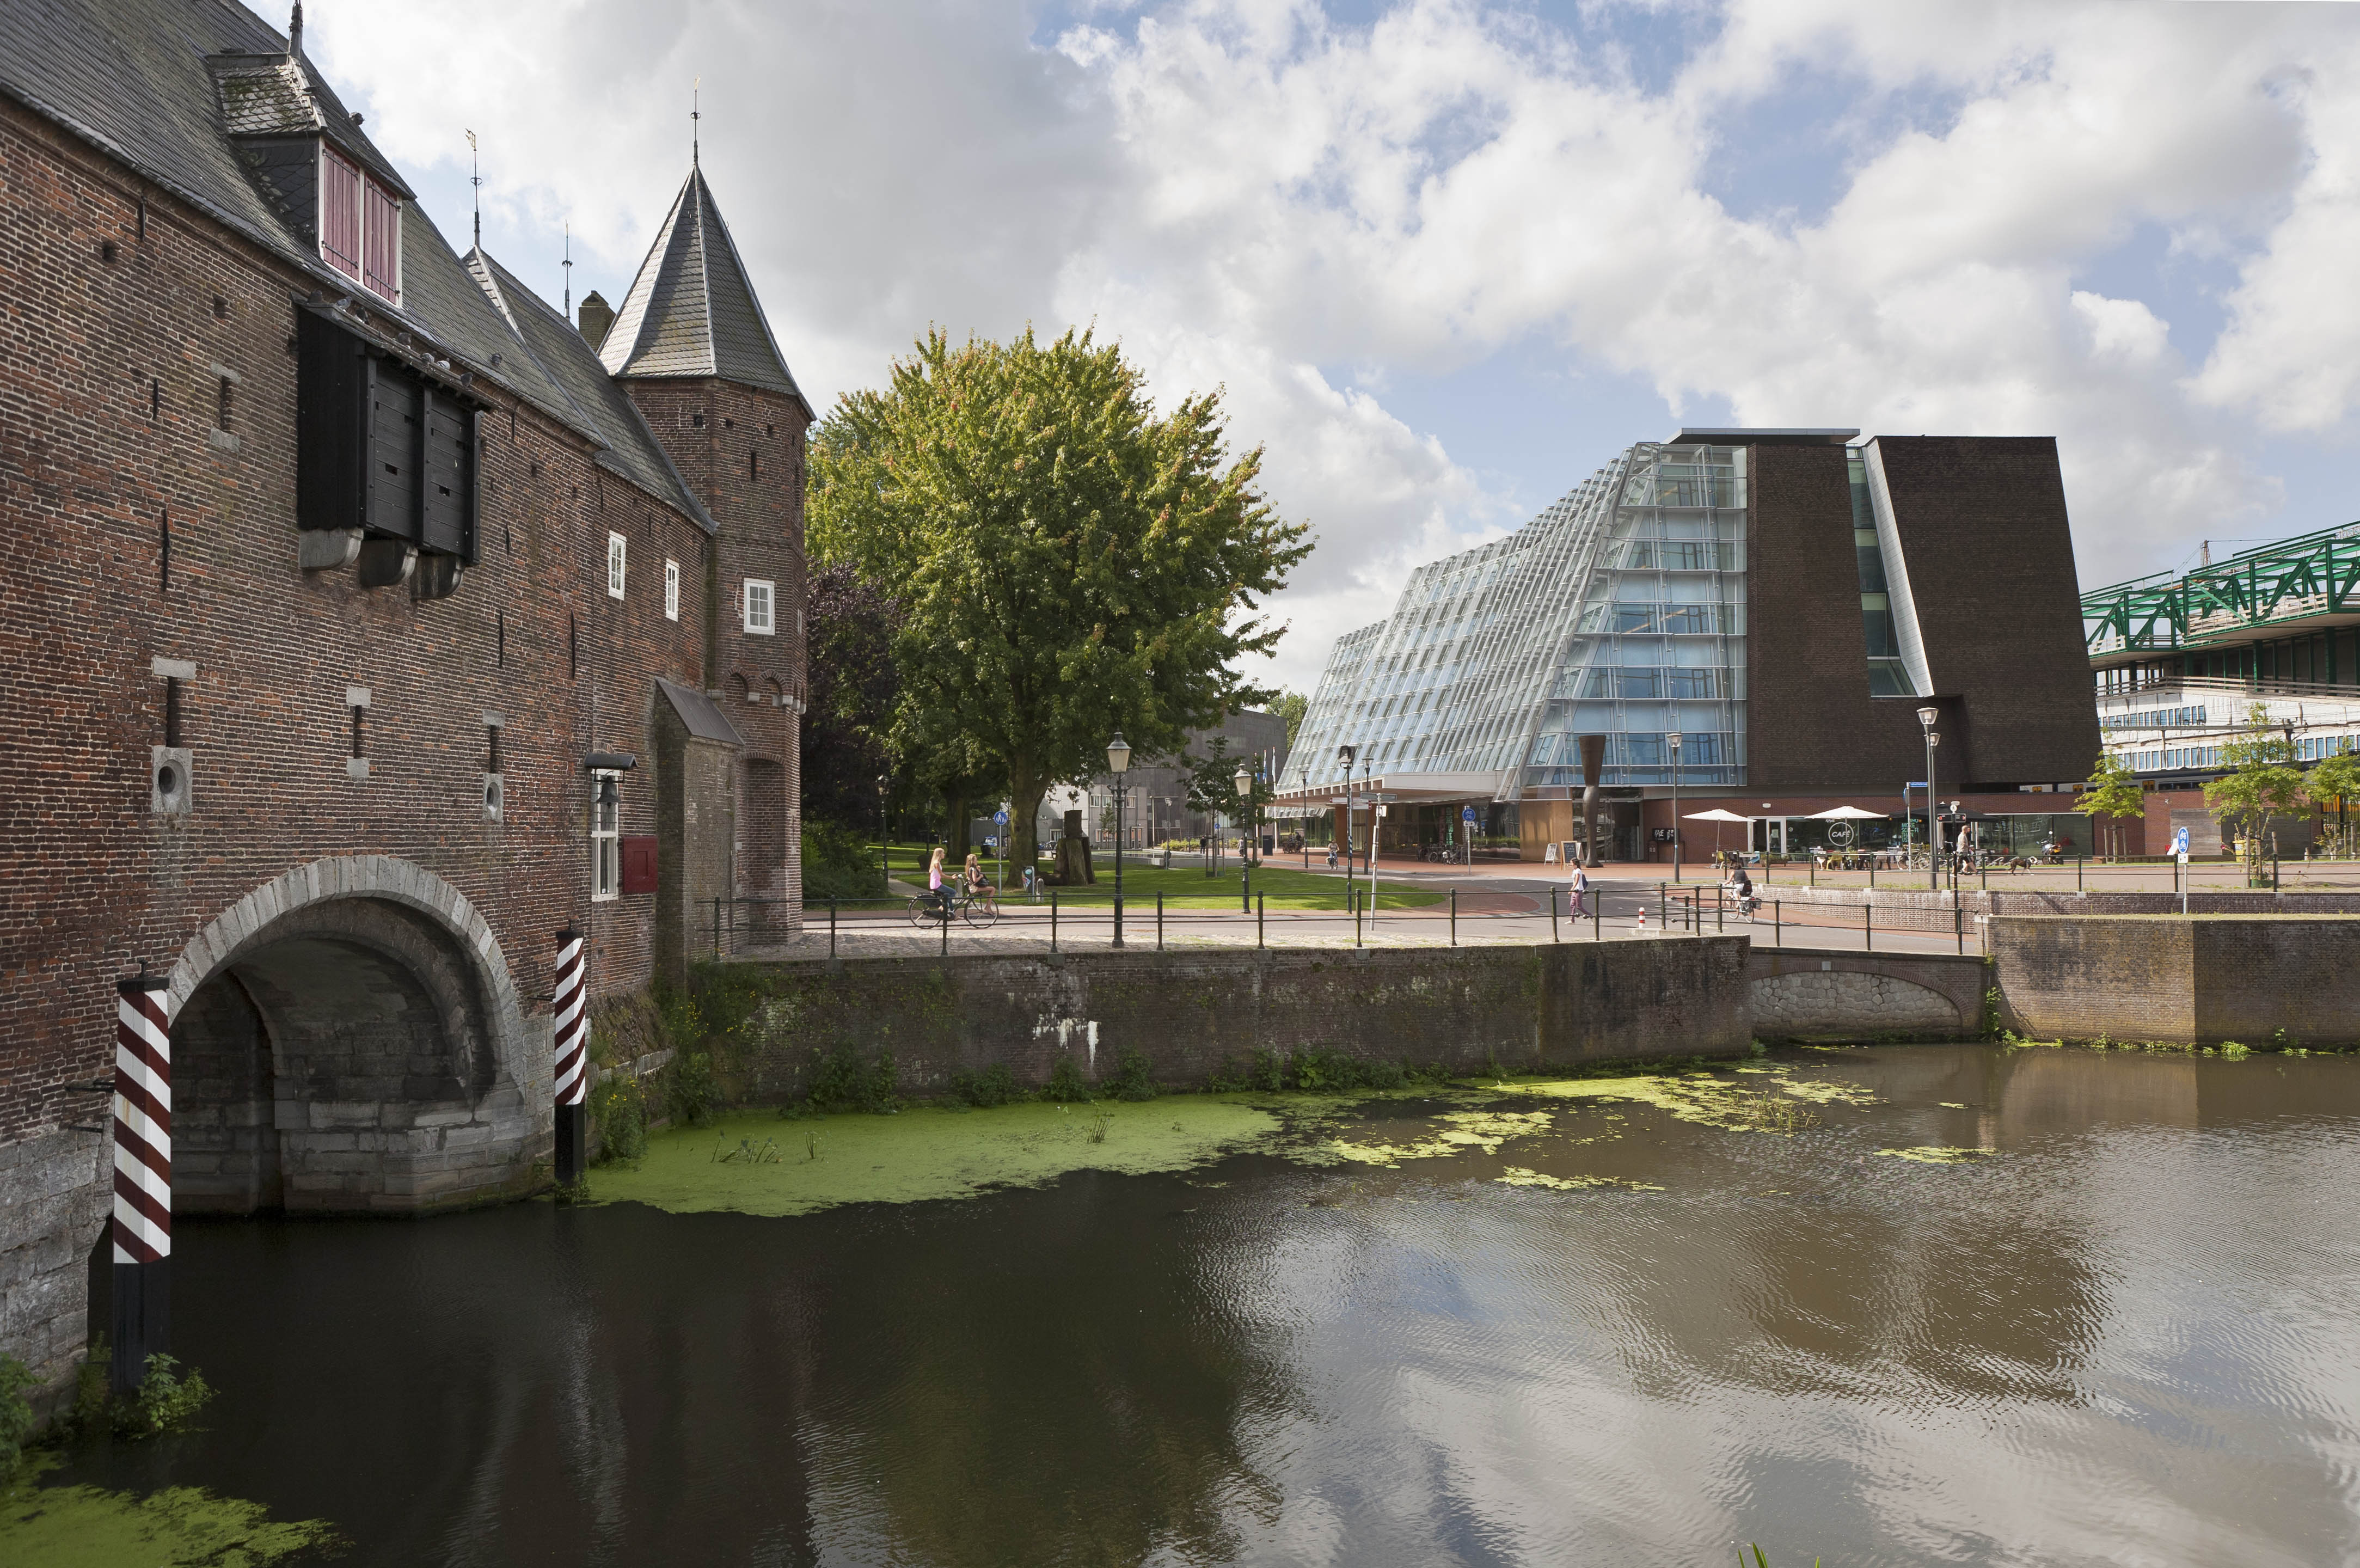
(1846, 814)
(1717, 817)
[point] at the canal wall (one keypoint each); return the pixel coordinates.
(1904, 909)
(1200, 1013)
(1800, 995)
(2198, 981)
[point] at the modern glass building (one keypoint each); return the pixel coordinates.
(1634, 609)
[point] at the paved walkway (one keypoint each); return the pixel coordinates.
(1499, 910)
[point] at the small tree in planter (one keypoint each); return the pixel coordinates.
(2112, 792)
(2264, 782)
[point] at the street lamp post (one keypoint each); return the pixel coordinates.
(884, 829)
(1245, 783)
(1925, 717)
(1673, 741)
(1344, 754)
(1118, 762)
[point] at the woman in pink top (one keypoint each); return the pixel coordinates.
(941, 895)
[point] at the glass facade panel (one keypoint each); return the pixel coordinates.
(1619, 611)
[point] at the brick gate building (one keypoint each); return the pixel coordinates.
(364, 625)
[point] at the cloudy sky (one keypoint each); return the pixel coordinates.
(1447, 258)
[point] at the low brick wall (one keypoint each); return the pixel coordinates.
(1919, 910)
(2196, 980)
(1798, 995)
(1195, 1012)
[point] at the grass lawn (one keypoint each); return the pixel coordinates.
(1187, 887)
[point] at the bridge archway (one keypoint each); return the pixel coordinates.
(348, 1037)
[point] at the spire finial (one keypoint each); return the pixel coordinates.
(475, 179)
(695, 112)
(569, 270)
(295, 32)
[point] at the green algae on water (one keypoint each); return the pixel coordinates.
(925, 1152)
(1517, 1176)
(89, 1527)
(1938, 1153)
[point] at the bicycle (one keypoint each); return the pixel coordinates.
(926, 909)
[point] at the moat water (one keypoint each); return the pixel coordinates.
(2128, 1333)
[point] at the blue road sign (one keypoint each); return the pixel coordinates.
(1000, 817)
(1466, 814)
(2179, 842)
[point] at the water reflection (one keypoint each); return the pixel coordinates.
(2127, 1336)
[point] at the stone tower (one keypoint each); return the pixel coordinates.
(691, 344)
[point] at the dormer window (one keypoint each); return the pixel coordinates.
(360, 226)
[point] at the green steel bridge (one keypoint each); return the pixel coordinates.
(2313, 578)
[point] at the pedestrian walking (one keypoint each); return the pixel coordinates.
(1580, 890)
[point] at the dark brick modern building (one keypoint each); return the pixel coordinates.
(366, 625)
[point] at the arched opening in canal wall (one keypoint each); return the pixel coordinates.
(348, 1039)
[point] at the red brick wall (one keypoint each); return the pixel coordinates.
(91, 883)
(760, 511)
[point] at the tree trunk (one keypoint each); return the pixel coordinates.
(1024, 795)
(956, 836)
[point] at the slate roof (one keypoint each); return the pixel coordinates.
(599, 403)
(174, 89)
(692, 310)
(700, 714)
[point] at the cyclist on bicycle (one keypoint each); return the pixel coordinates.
(935, 887)
(1740, 887)
(979, 886)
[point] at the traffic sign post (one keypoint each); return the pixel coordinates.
(999, 841)
(2180, 866)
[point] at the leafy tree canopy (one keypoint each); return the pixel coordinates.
(2263, 782)
(1291, 706)
(1069, 565)
(848, 725)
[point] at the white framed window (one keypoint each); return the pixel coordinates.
(616, 546)
(760, 618)
(672, 590)
(605, 833)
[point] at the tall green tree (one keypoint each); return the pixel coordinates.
(2336, 780)
(1291, 706)
(2112, 792)
(2263, 782)
(1069, 563)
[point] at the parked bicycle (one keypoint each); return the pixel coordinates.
(927, 910)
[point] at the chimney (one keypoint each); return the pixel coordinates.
(295, 32)
(597, 315)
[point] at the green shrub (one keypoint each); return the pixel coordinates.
(16, 1411)
(1268, 1072)
(995, 1085)
(166, 1402)
(839, 862)
(1065, 1084)
(843, 1081)
(1321, 1069)
(618, 1107)
(1385, 1075)
(688, 1090)
(1131, 1079)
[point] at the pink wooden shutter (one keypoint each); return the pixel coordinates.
(340, 214)
(381, 243)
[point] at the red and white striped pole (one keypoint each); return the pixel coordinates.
(142, 1317)
(572, 1059)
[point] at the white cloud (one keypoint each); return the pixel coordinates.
(1246, 190)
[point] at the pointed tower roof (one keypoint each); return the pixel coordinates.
(692, 310)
